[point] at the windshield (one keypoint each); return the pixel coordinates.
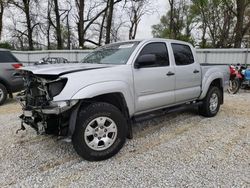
(117, 53)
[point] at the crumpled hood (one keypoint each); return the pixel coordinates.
(61, 69)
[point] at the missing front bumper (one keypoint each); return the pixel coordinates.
(52, 119)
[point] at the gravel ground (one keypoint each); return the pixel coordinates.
(177, 150)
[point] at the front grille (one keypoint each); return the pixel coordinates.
(36, 101)
(35, 93)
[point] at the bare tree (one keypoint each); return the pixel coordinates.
(80, 4)
(109, 19)
(57, 26)
(2, 7)
(136, 9)
(25, 7)
(67, 17)
(171, 18)
(102, 25)
(84, 21)
(48, 24)
(242, 24)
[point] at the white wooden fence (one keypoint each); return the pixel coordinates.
(224, 56)
(35, 56)
(218, 56)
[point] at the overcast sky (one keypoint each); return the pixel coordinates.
(145, 30)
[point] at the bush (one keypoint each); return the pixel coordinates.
(6, 45)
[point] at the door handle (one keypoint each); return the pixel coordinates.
(196, 71)
(170, 73)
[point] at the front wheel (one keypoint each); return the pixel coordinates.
(211, 103)
(100, 132)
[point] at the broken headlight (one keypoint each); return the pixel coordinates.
(55, 88)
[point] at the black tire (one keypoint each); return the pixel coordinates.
(234, 86)
(3, 93)
(89, 114)
(205, 109)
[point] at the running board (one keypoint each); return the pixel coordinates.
(162, 112)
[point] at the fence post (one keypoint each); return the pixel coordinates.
(246, 57)
(206, 53)
(76, 60)
(28, 58)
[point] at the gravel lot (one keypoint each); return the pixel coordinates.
(177, 150)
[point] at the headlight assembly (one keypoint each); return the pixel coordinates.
(55, 88)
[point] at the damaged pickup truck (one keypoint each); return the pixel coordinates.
(95, 103)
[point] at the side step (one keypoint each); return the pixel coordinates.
(162, 112)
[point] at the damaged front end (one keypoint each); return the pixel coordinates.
(39, 110)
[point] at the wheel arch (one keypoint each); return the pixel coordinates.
(117, 99)
(216, 80)
(6, 85)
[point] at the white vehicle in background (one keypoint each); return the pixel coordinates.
(52, 60)
(95, 102)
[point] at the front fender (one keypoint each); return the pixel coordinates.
(102, 88)
(207, 80)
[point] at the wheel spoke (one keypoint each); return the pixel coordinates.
(100, 121)
(213, 102)
(111, 128)
(89, 131)
(107, 141)
(94, 143)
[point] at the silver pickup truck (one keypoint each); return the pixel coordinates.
(95, 102)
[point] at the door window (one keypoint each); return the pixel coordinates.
(183, 54)
(159, 49)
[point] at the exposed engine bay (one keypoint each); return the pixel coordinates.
(39, 110)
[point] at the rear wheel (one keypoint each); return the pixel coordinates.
(3, 94)
(100, 132)
(211, 103)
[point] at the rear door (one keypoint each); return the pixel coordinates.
(188, 73)
(154, 84)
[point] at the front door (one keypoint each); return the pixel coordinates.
(154, 84)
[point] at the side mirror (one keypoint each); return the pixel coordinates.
(145, 60)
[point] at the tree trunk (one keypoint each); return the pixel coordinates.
(109, 21)
(69, 33)
(26, 4)
(1, 18)
(171, 25)
(203, 38)
(102, 27)
(81, 23)
(48, 37)
(135, 31)
(49, 25)
(130, 33)
(239, 24)
(58, 26)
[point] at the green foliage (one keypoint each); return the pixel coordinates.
(214, 23)
(6, 45)
(180, 28)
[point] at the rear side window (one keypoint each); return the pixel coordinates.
(6, 57)
(159, 49)
(182, 54)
